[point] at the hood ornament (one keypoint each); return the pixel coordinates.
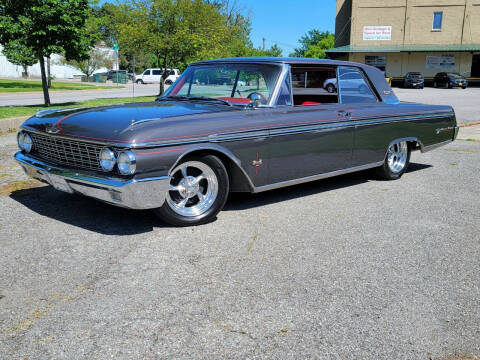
(52, 129)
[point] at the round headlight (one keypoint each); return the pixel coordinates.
(21, 140)
(126, 163)
(24, 141)
(27, 143)
(107, 159)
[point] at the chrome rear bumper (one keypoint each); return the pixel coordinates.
(130, 193)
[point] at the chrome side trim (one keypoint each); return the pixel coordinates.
(316, 177)
(260, 132)
(434, 146)
(145, 193)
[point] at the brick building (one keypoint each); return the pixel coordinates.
(399, 36)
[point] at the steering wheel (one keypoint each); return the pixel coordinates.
(264, 100)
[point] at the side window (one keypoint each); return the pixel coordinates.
(285, 97)
(314, 85)
(156, 72)
(147, 72)
(437, 20)
(172, 72)
(353, 86)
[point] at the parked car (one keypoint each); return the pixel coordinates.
(111, 74)
(153, 76)
(183, 153)
(353, 79)
(449, 80)
(414, 80)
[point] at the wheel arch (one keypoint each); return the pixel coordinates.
(239, 180)
(413, 143)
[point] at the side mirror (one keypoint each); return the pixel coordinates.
(255, 100)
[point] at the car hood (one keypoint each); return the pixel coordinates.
(127, 123)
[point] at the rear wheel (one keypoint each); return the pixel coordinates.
(168, 82)
(140, 81)
(330, 88)
(198, 191)
(396, 161)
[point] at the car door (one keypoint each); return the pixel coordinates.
(146, 76)
(312, 136)
(367, 110)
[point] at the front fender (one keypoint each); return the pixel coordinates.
(161, 161)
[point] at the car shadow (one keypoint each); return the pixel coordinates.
(106, 219)
(85, 212)
(242, 201)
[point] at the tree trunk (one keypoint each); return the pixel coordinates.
(25, 72)
(48, 73)
(46, 96)
(163, 77)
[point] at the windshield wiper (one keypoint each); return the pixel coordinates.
(194, 98)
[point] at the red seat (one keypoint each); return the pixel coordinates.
(236, 100)
(306, 103)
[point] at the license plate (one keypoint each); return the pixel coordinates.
(59, 183)
(459, 84)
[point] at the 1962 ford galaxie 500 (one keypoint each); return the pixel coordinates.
(242, 124)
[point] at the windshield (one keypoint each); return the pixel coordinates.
(234, 83)
(455, 76)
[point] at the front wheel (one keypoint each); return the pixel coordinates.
(140, 81)
(331, 88)
(197, 192)
(396, 161)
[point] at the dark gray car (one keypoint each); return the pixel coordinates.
(232, 125)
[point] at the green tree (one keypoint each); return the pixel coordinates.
(175, 32)
(314, 43)
(97, 58)
(17, 53)
(47, 27)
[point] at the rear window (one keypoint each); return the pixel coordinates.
(353, 86)
(156, 72)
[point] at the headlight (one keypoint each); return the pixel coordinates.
(107, 159)
(126, 163)
(24, 141)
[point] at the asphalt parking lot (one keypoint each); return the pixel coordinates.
(344, 268)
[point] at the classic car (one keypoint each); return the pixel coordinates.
(182, 154)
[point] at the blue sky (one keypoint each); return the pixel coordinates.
(285, 21)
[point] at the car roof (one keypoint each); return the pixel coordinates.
(279, 60)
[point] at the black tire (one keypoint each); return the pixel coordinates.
(385, 172)
(140, 81)
(331, 88)
(464, 87)
(170, 216)
(168, 82)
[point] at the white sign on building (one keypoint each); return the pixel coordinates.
(377, 32)
(440, 62)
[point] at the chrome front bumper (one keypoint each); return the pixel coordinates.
(130, 193)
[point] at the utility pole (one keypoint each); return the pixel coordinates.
(263, 48)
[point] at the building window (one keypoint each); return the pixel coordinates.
(379, 62)
(437, 20)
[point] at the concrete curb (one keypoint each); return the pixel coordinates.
(11, 124)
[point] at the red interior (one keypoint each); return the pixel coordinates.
(306, 103)
(236, 100)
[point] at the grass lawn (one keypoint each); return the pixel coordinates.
(16, 111)
(8, 86)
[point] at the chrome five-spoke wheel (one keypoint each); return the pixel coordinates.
(397, 156)
(193, 188)
(396, 161)
(197, 191)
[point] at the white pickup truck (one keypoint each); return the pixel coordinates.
(153, 76)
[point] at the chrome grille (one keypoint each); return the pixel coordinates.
(70, 153)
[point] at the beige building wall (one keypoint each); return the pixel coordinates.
(398, 64)
(411, 21)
